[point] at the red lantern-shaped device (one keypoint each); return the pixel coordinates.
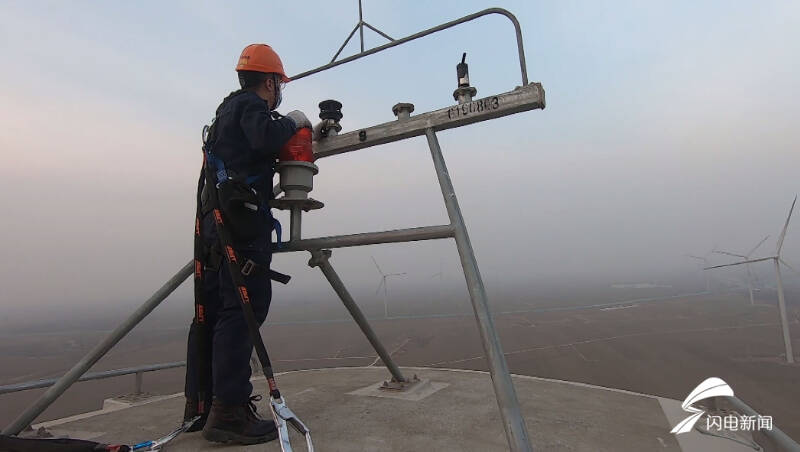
(297, 169)
(298, 148)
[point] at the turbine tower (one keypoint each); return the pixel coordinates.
(384, 277)
(746, 266)
(440, 275)
(778, 260)
(705, 263)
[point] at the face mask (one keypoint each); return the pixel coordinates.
(278, 93)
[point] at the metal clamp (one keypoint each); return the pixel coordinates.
(248, 267)
(283, 415)
(156, 445)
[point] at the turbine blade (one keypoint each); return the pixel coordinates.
(749, 261)
(785, 227)
(749, 253)
(730, 254)
(383, 280)
(696, 257)
(787, 265)
(376, 266)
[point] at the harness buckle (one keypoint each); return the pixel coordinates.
(248, 267)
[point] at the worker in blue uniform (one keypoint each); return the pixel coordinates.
(245, 140)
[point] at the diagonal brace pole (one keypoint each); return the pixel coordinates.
(80, 368)
(379, 32)
(320, 258)
(345, 42)
(510, 413)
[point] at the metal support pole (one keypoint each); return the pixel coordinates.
(750, 284)
(319, 258)
(379, 32)
(63, 383)
(345, 43)
(138, 385)
(787, 340)
(295, 220)
(514, 424)
(366, 238)
(361, 25)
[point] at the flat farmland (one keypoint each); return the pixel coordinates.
(664, 348)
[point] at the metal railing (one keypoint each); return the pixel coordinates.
(138, 371)
(91, 358)
(782, 441)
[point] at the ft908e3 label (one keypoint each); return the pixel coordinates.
(476, 106)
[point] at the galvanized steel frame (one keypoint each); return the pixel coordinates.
(503, 12)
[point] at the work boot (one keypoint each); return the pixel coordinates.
(238, 423)
(190, 411)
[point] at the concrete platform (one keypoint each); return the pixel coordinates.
(455, 410)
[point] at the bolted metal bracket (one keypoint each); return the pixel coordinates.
(304, 204)
(395, 385)
(464, 94)
(318, 257)
(403, 110)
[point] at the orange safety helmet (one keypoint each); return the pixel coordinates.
(261, 58)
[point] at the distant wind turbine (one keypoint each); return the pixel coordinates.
(777, 259)
(746, 266)
(384, 277)
(440, 275)
(704, 260)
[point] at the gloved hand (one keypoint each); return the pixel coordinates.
(299, 119)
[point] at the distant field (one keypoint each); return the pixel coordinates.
(664, 348)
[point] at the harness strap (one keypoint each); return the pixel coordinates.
(276, 226)
(199, 322)
(213, 259)
(235, 270)
(250, 267)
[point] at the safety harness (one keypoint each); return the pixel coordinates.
(214, 170)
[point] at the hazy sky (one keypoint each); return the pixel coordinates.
(670, 127)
